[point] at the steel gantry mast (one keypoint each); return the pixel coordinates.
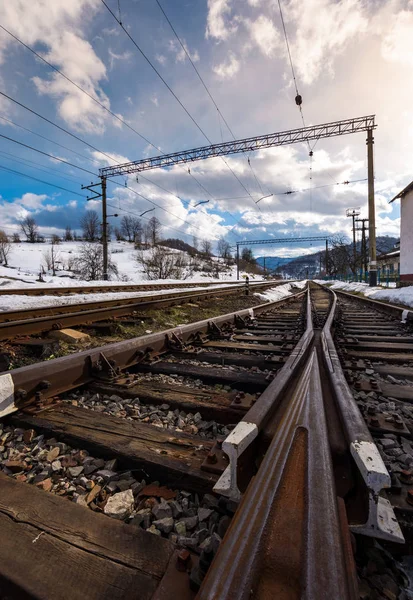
(283, 138)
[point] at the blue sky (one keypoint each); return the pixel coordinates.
(352, 59)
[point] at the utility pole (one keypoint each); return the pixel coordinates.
(264, 267)
(104, 230)
(372, 211)
(363, 244)
(237, 261)
(326, 257)
(102, 196)
(354, 212)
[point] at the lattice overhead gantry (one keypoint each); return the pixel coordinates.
(292, 136)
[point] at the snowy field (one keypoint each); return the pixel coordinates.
(281, 291)
(402, 295)
(25, 263)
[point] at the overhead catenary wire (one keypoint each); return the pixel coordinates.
(61, 160)
(81, 168)
(38, 166)
(95, 100)
(171, 91)
(220, 115)
(40, 181)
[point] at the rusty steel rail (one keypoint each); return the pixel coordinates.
(381, 521)
(404, 314)
(23, 385)
(247, 430)
(286, 540)
(97, 289)
(38, 320)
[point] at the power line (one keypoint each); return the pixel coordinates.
(78, 87)
(95, 100)
(81, 168)
(46, 154)
(43, 137)
(41, 181)
(172, 92)
(38, 166)
(195, 69)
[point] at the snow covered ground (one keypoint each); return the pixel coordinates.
(10, 302)
(402, 295)
(281, 291)
(25, 262)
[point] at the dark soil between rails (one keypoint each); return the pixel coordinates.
(149, 321)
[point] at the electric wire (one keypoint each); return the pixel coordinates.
(41, 181)
(173, 93)
(204, 84)
(39, 166)
(47, 154)
(90, 96)
(76, 166)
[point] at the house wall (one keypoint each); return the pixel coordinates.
(406, 237)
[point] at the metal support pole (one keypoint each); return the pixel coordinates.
(354, 245)
(237, 261)
(104, 230)
(264, 268)
(372, 211)
(326, 257)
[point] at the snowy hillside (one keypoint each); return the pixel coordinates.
(26, 261)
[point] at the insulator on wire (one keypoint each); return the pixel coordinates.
(310, 154)
(298, 100)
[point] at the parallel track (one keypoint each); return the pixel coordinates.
(291, 463)
(38, 320)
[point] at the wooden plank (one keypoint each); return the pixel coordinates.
(212, 406)
(396, 357)
(173, 457)
(379, 346)
(235, 379)
(231, 358)
(242, 346)
(52, 548)
(277, 340)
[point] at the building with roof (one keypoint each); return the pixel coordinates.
(406, 234)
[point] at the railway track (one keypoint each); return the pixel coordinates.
(39, 320)
(231, 453)
(98, 289)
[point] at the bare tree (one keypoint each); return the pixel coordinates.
(29, 228)
(224, 249)
(68, 234)
(16, 238)
(89, 263)
(161, 263)
(5, 248)
(56, 239)
(153, 231)
(206, 248)
(90, 224)
(131, 229)
(52, 257)
(118, 235)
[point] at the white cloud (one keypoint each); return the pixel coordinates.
(57, 25)
(323, 29)
(114, 57)
(161, 59)
(228, 68)
(264, 35)
(397, 44)
(180, 54)
(218, 24)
